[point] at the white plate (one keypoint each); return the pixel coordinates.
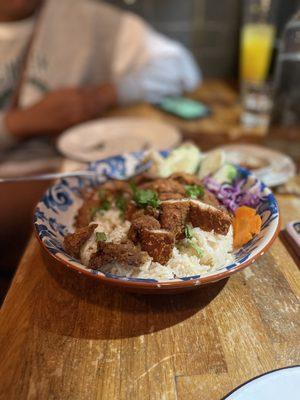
(283, 384)
(277, 168)
(110, 136)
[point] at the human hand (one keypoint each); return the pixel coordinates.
(61, 109)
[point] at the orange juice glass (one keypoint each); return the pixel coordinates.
(256, 51)
(256, 47)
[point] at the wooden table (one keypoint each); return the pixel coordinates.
(63, 336)
(66, 337)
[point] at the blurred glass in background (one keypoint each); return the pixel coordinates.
(286, 110)
(284, 131)
(256, 45)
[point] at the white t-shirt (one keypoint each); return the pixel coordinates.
(14, 38)
(83, 42)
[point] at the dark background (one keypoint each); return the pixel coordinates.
(209, 28)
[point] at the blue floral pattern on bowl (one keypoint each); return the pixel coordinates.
(54, 216)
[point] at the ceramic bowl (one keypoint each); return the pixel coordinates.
(54, 217)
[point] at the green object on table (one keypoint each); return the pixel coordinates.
(184, 108)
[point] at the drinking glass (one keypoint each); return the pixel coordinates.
(256, 46)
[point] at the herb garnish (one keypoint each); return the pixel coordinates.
(194, 191)
(101, 237)
(133, 186)
(188, 232)
(121, 203)
(144, 197)
(105, 205)
(196, 248)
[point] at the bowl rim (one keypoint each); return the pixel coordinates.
(170, 284)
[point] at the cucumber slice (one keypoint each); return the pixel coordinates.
(185, 158)
(213, 161)
(226, 174)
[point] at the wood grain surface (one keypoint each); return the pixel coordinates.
(63, 336)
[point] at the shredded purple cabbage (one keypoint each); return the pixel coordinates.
(234, 195)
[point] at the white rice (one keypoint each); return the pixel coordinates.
(112, 225)
(184, 261)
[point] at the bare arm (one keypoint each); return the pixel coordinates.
(59, 110)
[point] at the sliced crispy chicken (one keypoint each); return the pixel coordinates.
(210, 198)
(158, 243)
(116, 186)
(186, 179)
(132, 211)
(84, 215)
(139, 224)
(208, 217)
(174, 215)
(143, 178)
(74, 241)
(123, 253)
(170, 196)
(164, 186)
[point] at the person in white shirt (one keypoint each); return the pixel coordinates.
(67, 61)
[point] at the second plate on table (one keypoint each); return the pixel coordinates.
(274, 385)
(106, 137)
(270, 166)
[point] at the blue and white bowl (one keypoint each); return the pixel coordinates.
(54, 217)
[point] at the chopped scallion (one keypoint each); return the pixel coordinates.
(101, 237)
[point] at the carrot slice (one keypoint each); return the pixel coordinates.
(246, 223)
